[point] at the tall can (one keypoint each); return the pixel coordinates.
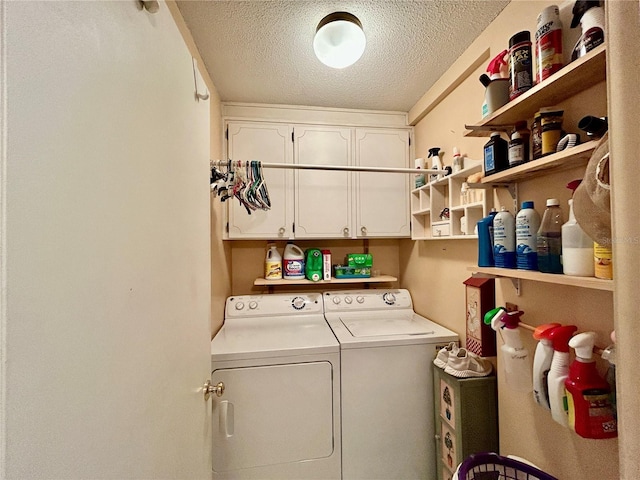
(520, 64)
(548, 43)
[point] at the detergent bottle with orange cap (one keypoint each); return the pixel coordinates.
(542, 363)
(559, 371)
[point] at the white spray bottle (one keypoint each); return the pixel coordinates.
(516, 358)
(542, 363)
(559, 371)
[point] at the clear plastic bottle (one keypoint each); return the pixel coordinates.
(577, 248)
(549, 244)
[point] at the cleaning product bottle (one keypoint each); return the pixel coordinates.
(549, 238)
(589, 14)
(496, 84)
(485, 240)
(273, 264)
(496, 154)
(516, 359)
(589, 407)
(419, 178)
(558, 372)
(542, 362)
(313, 265)
(293, 262)
(436, 164)
(609, 354)
(458, 160)
(548, 43)
(527, 225)
(577, 248)
(504, 239)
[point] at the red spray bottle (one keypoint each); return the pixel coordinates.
(588, 394)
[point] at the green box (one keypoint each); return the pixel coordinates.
(360, 260)
(345, 271)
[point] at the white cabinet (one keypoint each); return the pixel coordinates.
(322, 204)
(382, 199)
(269, 143)
(323, 198)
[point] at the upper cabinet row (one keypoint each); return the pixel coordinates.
(308, 204)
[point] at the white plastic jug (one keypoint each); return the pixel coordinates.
(273, 264)
(293, 263)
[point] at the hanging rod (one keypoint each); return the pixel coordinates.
(347, 168)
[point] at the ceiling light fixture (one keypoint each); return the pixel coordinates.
(339, 40)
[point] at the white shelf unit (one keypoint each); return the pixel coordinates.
(429, 201)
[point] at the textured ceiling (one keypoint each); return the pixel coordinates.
(261, 51)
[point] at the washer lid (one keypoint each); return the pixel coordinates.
(375, 325)
(277, 337)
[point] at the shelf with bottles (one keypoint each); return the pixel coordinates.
(261, 282)
(559, 279)
(576, 77)
(567, 159)
(438, 207)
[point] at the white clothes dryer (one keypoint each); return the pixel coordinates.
(386, 359)
(279, 414)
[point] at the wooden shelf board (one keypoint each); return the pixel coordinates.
(272, 283)
(559, 279)
(421, 212)
(573, 157)
(574, 78)
(450, 237)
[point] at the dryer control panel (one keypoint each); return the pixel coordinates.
(372, 299)
(273, 305)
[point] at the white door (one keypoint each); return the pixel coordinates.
(382, 199)
(323, 199)
(105, 284)
(268, 143)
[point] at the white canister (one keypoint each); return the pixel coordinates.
(463, 225)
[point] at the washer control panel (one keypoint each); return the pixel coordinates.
(372, 299)
(272, 305)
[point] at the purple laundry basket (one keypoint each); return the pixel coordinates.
(491, 466)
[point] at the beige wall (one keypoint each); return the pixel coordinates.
(220, 252)
(434, 270)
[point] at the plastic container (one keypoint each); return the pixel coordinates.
(536, 137)
(496, 157)
(419, 178)
(504, 239)
(516, 360)
(527, 226)
(293, 262)
(313, 265)
(551, 124)
(592, 22)
(548, 43)
(558, 372)
(485, 240)
(603, 261)
(577, 248)
(542, 363)
(273, 264)
(520, 64)
(436, 164)
(549, 238)
(588, 394)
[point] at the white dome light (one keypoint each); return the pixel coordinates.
(339, 40)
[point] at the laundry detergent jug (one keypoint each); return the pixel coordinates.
(313, 265)
(293, 262)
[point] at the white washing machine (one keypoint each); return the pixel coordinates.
(386, 359)
(279, 414)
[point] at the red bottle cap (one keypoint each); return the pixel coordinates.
(543, 331)
(560, 337)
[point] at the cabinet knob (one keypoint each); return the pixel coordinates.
(281, 231)
(363, 230)
(345, 231)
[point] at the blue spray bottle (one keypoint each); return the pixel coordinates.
(485, 240)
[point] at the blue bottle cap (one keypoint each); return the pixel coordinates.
(528, 204)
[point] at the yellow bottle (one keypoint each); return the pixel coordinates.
(603, 261)
(273, 264)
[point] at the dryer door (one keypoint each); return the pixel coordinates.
(271, 415)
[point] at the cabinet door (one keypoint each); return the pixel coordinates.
(268, 143)
(323, 198)
(382, 199)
